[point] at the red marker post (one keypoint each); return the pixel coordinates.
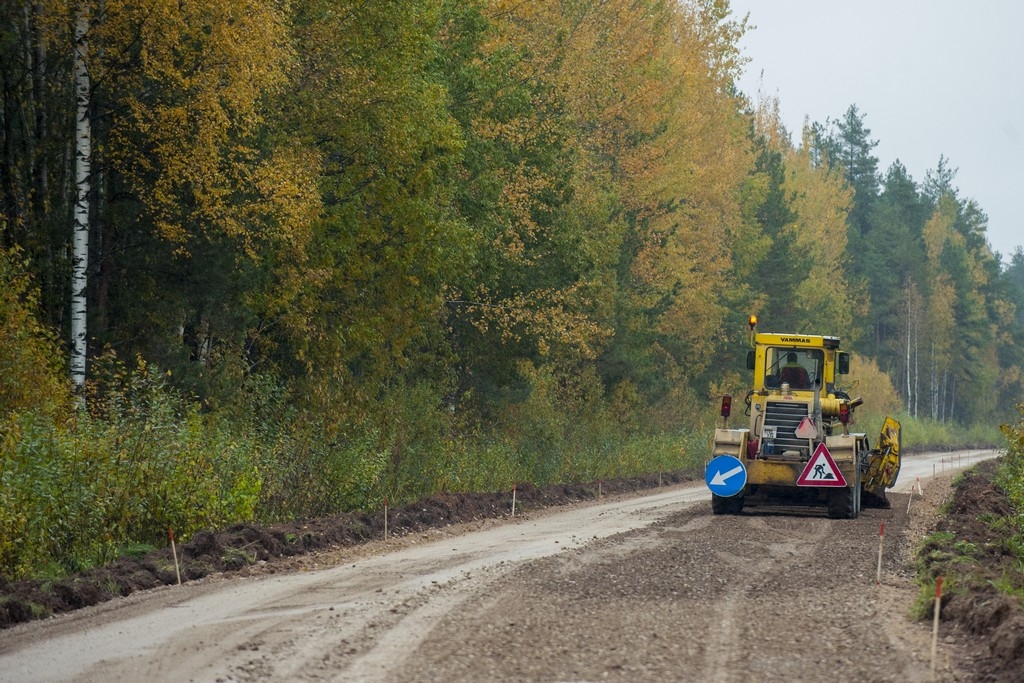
(935, 623)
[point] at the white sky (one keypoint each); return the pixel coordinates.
(930, 77)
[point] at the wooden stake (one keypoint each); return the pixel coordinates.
(174, 551)
(881, 543)
(513, 500)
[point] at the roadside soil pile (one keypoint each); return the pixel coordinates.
(973, 550)
(244, 545)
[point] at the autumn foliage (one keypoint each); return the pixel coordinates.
(373, 250)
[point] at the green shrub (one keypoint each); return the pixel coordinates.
(1011, 468)
(75, 493)
(31, 376)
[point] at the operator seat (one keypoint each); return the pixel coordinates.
(796, 376)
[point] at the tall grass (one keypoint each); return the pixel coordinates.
(922, 433)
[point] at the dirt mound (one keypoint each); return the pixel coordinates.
(972, 549)
(243, 545)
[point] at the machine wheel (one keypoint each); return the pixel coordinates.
(721, 505)
(841, 503)
(844, 503)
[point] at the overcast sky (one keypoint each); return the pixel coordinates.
(930, 77)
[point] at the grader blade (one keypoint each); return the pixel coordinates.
(884, 461)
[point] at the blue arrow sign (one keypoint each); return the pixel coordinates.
(725, 475)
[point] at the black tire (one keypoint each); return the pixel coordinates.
(844, 503)
(841, 503)
(720, 505)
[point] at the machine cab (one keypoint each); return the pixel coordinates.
(796, 363)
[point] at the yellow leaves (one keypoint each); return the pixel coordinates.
(939, 228)
(31, 378)
(768, 123)
(549, 317)
(822, 201)
(866, 379)
(519, 191)
(286, 184)
(186, 80)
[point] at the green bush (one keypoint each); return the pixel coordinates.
(75, 493)
(925, 433)
(1011, 467)
(31, 378)
(79, 491)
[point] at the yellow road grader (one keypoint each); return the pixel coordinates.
(797, 448)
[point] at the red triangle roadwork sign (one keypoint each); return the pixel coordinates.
(821, 470)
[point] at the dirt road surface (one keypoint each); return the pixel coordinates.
(648, 588)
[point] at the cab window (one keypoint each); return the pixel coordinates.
(799, 368)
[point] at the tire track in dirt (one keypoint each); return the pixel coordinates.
(724, 639)
(312, 625)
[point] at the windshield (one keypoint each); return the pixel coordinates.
(799, 368)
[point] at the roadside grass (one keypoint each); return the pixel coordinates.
(925, 433)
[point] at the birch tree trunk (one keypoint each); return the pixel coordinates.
(934, 385)
(918, 313)
(952, 398)
(83, 169)
(910, 394)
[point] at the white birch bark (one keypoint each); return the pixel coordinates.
(83, 170)
(917, 371)
(934, 385)
(910, 395)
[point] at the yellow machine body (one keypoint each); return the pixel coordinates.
(797, 409)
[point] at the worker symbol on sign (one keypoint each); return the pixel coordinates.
(820, 473)
(821, 470)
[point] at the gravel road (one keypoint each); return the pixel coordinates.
(650, 588)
